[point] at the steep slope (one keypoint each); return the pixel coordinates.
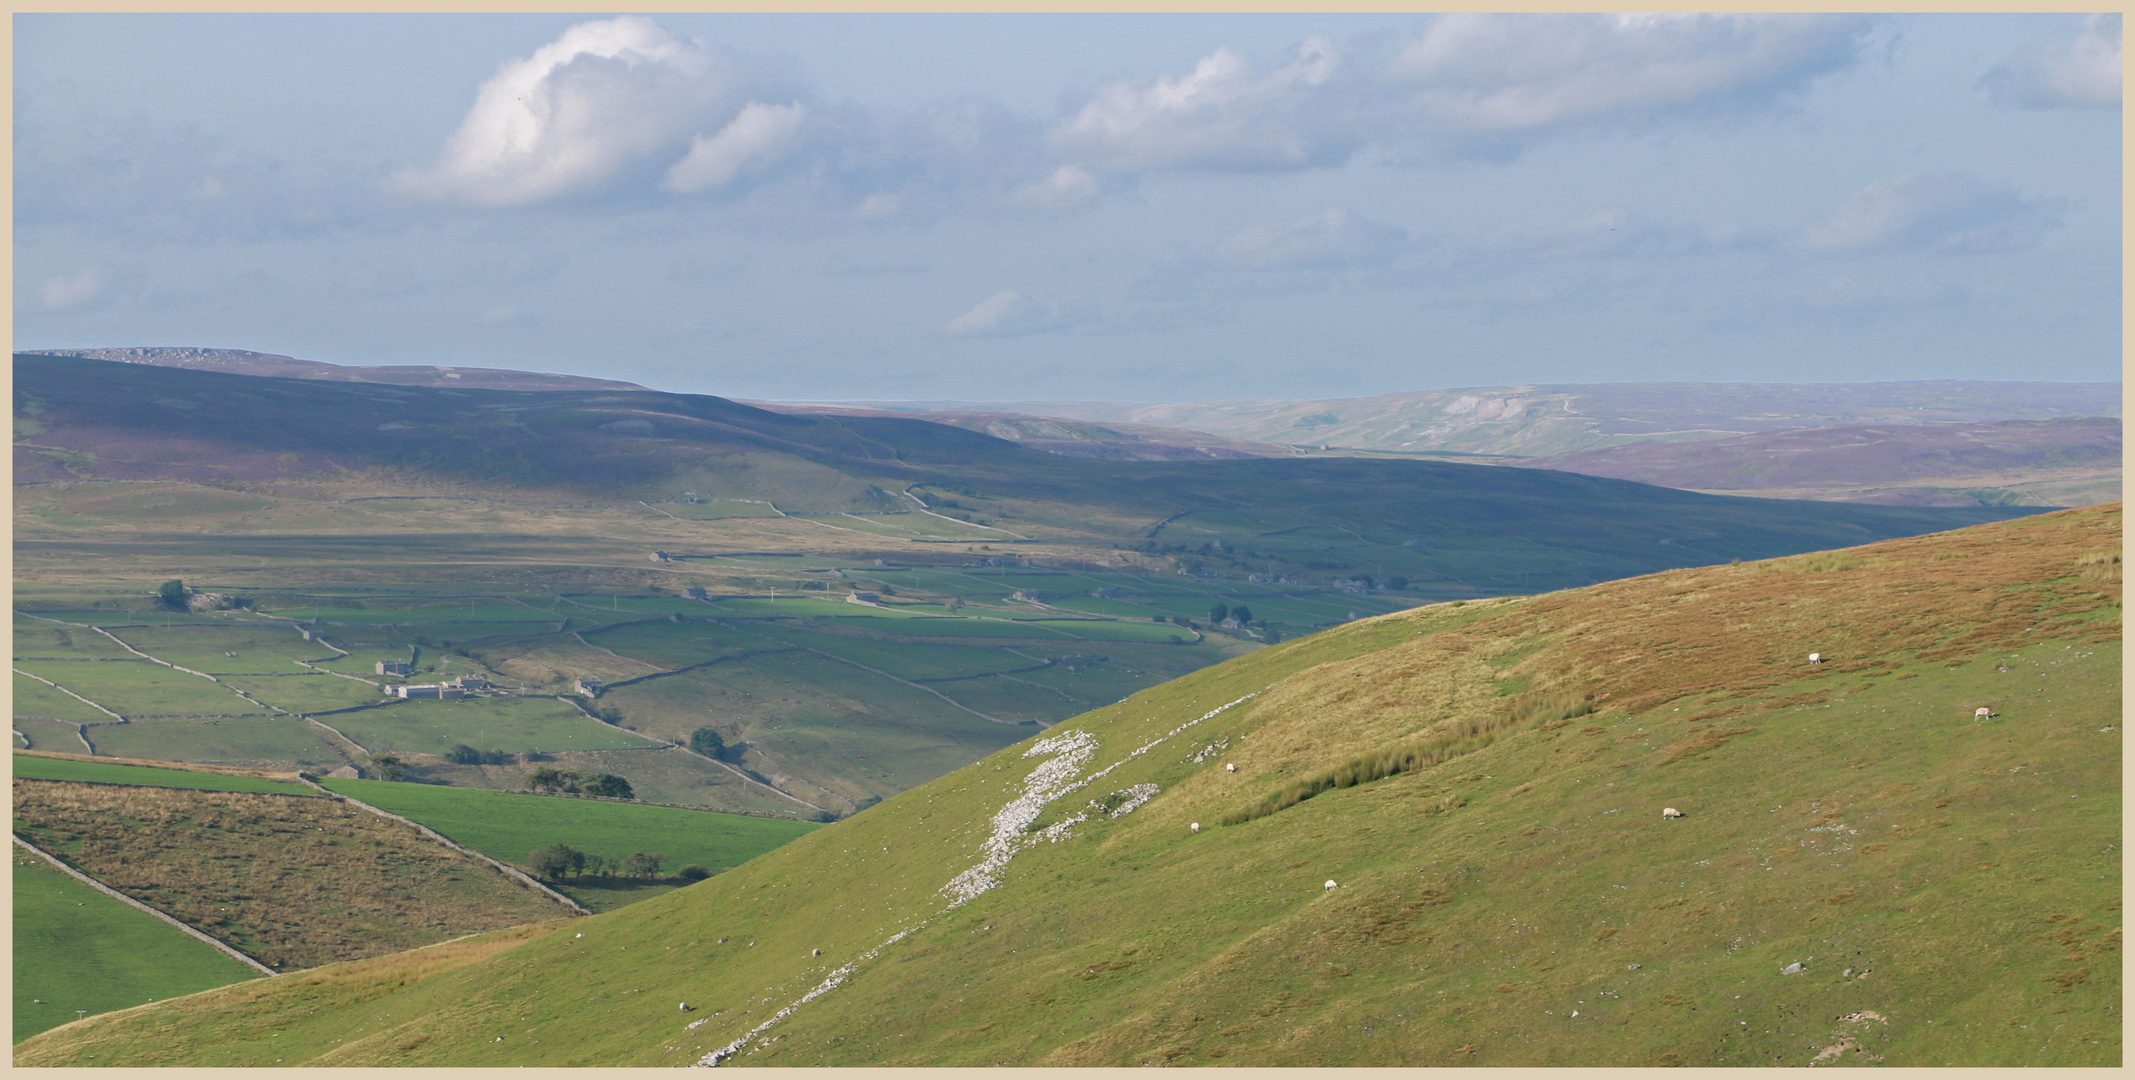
(2074, 461)
(1867, 871)
(1569, 418)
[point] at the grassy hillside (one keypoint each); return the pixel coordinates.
(1865, 872)
(44, 767)
(78, 949)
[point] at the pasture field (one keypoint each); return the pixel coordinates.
(35, 699)
(37, 637)
(304, 691)
(78, 949)
(141, 688)
(906, 660)
(340, 883)
(35, 767)
(362, 660)
(1003, 697)
(507, 826)
(283, 741)
(259, 647)
(673, 645)
(32, 733)
(495, 723)
(657, 774)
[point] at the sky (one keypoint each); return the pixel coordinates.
(1099, 207)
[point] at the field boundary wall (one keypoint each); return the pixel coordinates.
(133, 903)
(508, 871)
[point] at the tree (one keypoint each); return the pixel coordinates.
(172, 594)
(694, 872)
(547, 779)
(389, 766)
(1397, 582)
(707, 742)
(463, 754)
(606, 784)
(1218, 613)
(647, 866)
(1243, 614)
(554, 861)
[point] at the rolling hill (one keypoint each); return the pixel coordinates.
(1470, 527)
(2073, 461)
(242, 362)
(1431, 837)
(1531, 421)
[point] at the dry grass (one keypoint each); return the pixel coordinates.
(296, 882)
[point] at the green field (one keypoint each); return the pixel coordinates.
(33, 698)
(47, 735)
(507, 826)
(77, 949)
(239, 740)
(44, 768)
(305, 691)
(140, 688)
(513, 724)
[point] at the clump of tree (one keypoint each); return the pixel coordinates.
(388, 766)
(709, 743)
(463, 754)
(171, 594)
(694, 872)
(559, 862)
(553, 781)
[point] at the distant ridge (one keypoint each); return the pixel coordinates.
(241, 362)
(1570, 418)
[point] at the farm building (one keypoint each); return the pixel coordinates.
(392, 667)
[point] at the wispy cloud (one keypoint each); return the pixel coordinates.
(1331, 239)
(1947, 212)
(1009, 313)
(761, 135)
(71, 290)
(2080, 70)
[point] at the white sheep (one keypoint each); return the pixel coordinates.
(1230, 767)
(1670, 812)
(1330, 884)
(1195, 827)
(1982, 713)
(1816, 658)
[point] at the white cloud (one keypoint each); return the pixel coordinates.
(1009, 313)
(1462, 77)
(1950, 212)
(1526, 72)
(761, 135)
(1223, 115)
(1610, 233)
(600, 97)
(2081, 71)
(1329, 239)
(879, 205)
(71, 290)
(1068, 187)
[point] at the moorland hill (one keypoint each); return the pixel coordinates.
(1571, 418)
(2072, 461)
(1482, 527)
(1439, 836)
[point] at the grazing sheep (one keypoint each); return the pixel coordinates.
(684, 1006)
(1671, 812)
(1230, 767)
(1816, 658)
(1195, 827)
(1330, 884)
(1982, 713)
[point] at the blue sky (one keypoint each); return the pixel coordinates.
(1016, 207)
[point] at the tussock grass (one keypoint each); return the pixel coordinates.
(292, 881)
(1454, 739)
